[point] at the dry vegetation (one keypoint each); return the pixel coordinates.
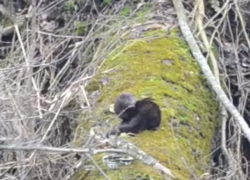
(46, 66)
(50, 50)
(226, 25)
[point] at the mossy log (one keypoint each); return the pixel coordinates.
(160, 66)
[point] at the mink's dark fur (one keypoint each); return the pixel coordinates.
(136, 116)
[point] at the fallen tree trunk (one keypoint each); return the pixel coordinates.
(161, 67)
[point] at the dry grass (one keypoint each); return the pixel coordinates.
(42, 84)
(227, 23)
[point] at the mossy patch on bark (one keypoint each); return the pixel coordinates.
(161, 67)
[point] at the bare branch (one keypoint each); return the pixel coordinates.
(62, 150)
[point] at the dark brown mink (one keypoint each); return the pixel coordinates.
(136, 116)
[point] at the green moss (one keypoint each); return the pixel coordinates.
(144, 13)
(159, 33)
(70, 5)
(5, 22)
(81, 28)
(126, 11)
(162, 68)
(106, 2)
(94, 86)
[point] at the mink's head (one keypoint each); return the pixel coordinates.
(124, 105)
